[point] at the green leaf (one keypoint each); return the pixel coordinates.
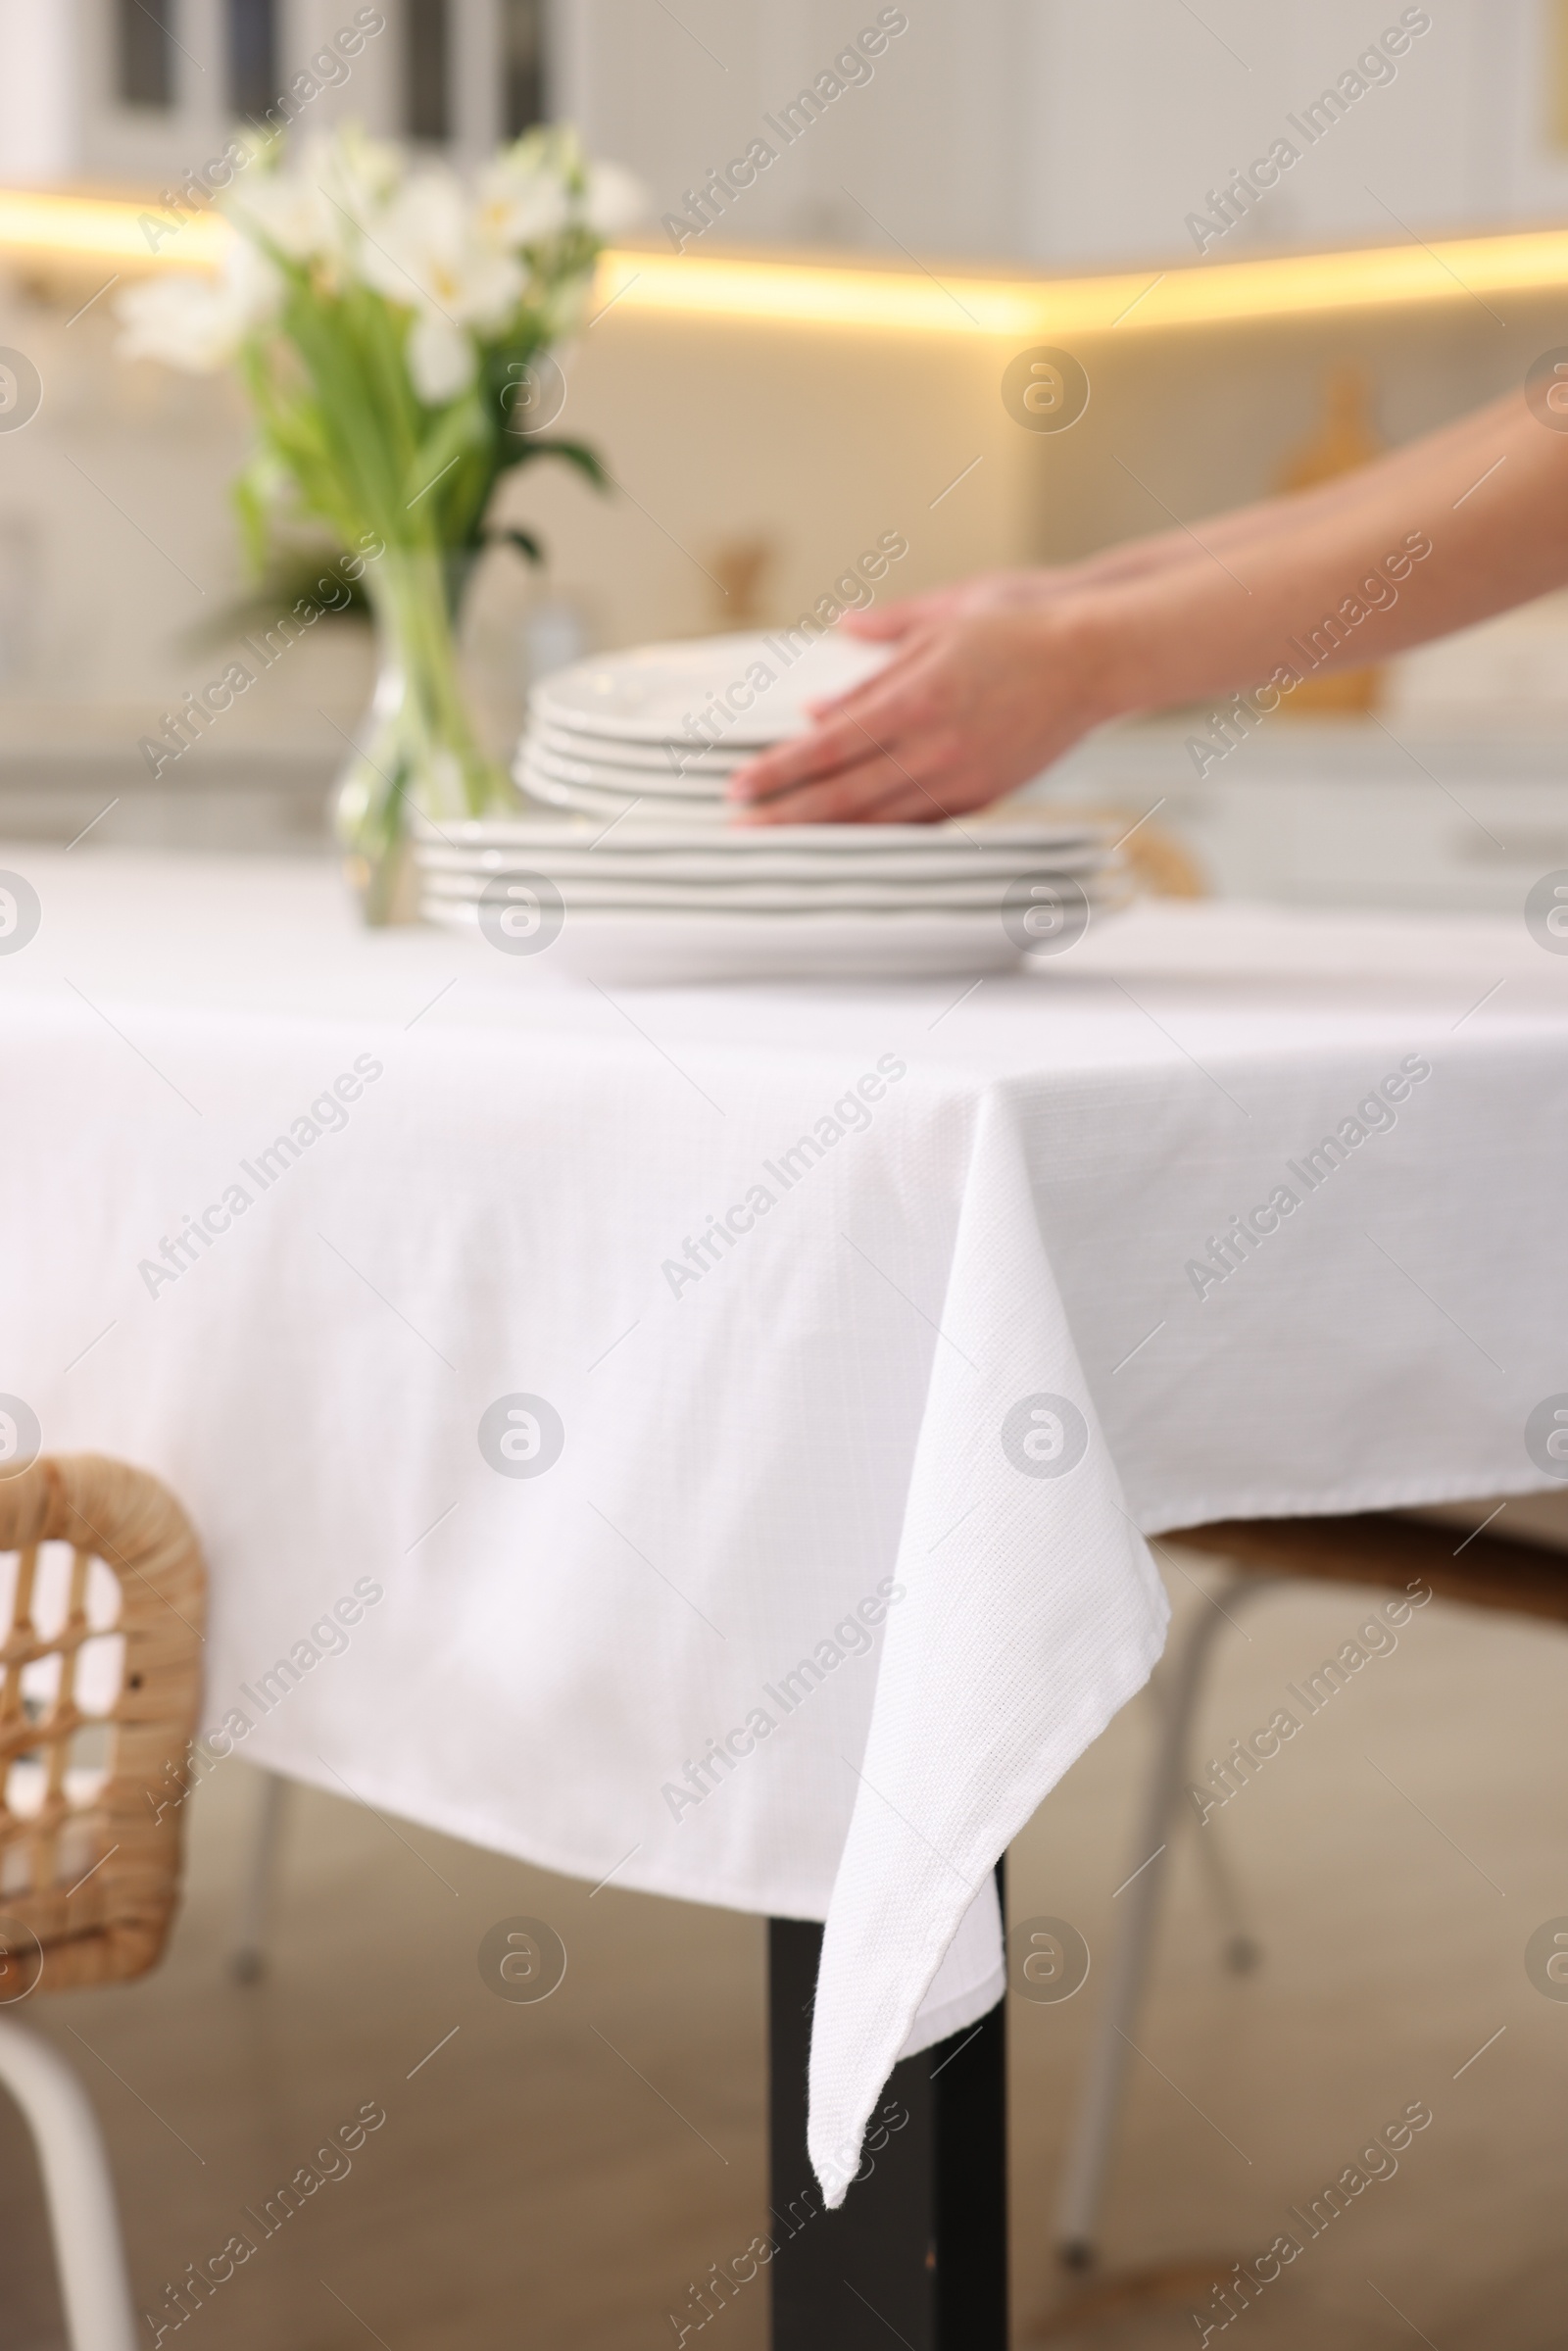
(457, 429)
(575, 453)
(523, 540)
(296, 573)
(253, 504)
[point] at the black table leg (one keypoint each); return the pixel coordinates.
(921, 2240)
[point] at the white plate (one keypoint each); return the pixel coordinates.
(534, 759)
(1042, 838)
(598, 751)
(705, 687)
(660, 808)
(657, 808)
(678, 949)
(767, 897)
(944, 861)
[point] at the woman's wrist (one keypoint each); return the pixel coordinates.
(1092, 647)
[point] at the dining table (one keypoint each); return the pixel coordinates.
(716, 1439)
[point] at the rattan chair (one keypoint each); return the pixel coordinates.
(101, 1667)
(1376, 1550)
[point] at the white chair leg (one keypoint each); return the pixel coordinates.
(1242, 1949)
(249, 1958)
(77, 2189)
(1093, 2131)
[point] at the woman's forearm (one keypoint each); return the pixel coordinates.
(1438, 536)
(1244, 526)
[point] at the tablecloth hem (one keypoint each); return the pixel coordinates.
(1378, 1494)
(953, 2015)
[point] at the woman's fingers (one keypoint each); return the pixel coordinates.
(908, 782)
(852, 795)
(886, 710)
(897, 619)
(882, 627)
(880, 791)
(855, 700)
(835, 743)
(790, 765)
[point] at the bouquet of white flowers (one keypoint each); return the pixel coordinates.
(389, 321)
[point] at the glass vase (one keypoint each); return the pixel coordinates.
(417, 752)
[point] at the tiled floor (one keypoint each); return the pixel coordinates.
(556, 2174)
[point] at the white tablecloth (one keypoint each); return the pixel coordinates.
(838, 1568)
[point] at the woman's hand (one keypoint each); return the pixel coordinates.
(988, 591)
(980, 695)
(962, 714)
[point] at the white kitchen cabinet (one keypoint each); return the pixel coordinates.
(1326, 814)
(1048, 132)
(1039, 131)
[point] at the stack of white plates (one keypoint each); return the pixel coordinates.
(660, 730)
(638, 871)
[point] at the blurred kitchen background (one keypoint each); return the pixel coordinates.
(758, 444)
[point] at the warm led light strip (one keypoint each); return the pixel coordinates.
(690, 285)
(103, 228)
(1293, 286)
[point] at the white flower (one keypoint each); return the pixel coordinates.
(363, 173)
(319, 211)
(461, 263)
(615, 201)
(518, 201)
(442, 360)
(426, 251)
(287, 210)
(199, 323)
